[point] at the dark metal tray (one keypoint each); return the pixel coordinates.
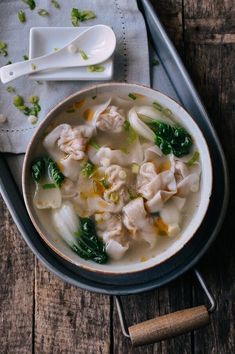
(181, 88)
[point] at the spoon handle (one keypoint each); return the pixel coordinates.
(13, 71)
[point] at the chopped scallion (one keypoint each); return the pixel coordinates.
(10, 89)
(95, 68)
(25, 57)
(31, 4)
(43, 12)
(21, 16)
(94, 144)
(3, 49)
(55, 4)
(132, 96)
(83, 54)
(33, 66)
(193, 159)
(157, 106)
(70, 110)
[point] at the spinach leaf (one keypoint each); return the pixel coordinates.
(171, 139)
(38, 169)
(89, 246)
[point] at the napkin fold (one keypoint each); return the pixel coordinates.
(131, 62)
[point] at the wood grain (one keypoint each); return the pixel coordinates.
(16, 289)
(69, 320)
(41, 314)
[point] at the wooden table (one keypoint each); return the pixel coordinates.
(41, 314)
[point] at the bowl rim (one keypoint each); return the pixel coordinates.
(87, 89)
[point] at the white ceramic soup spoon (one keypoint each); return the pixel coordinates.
(91, 47)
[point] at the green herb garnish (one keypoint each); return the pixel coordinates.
(55, 4)
(95, 68)
(171, 139)
(132, 194)
(87, 169)
(88, 245)
(127, 125)
(78, 16)
(9, 62)
(157, 106)
(31, 4)
(25, 57)
(104, 183)
(33, 66)
(49, 186)
(43, 12)
(83, 54)
(93, 97)
(10, 89)
(132, 135)
(132, 96)
(3, 49)
(21, 16)
(33, 99)
(193, 159)
(94, 144)
(18, 101)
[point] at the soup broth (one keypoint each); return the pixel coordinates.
(116, 179)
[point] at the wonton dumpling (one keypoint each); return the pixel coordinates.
(73, 140)
(116, 177)
(50, 141)
(111, 120)
(137, 221)
(115, 250)
(188, 178)
(155, 188)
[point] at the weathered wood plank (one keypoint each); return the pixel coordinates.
(69, 320)
(16, 288)
(210, 51)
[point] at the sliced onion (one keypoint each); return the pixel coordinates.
(140, 127)
(148, 114)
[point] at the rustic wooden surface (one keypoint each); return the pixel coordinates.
(41, 314)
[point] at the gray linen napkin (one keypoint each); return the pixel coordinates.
(131, 57)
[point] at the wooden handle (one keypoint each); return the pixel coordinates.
(168, 326)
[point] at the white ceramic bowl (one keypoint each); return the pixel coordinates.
(60, 248)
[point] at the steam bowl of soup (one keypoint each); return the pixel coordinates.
(117, 178)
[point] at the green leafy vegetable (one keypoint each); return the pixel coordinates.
(43, 12)
(55, 173)
(55, 4)
(31, 4)
(25, 57)
(171, 139)
(38, 169)
(10, 89)
(95, 68)
(78, 16)
(83, 54)
(87, 169)
(21, 16)
(42, 165)
(193, 159)
(132, 96)
(89, 246)
(3, 49)
(94, 144)
(49, 186)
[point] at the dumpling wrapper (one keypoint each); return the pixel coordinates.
(47, 198)
(115, 250)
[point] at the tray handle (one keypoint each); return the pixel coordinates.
(170, 325)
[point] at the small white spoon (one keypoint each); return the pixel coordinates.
(98, 43)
